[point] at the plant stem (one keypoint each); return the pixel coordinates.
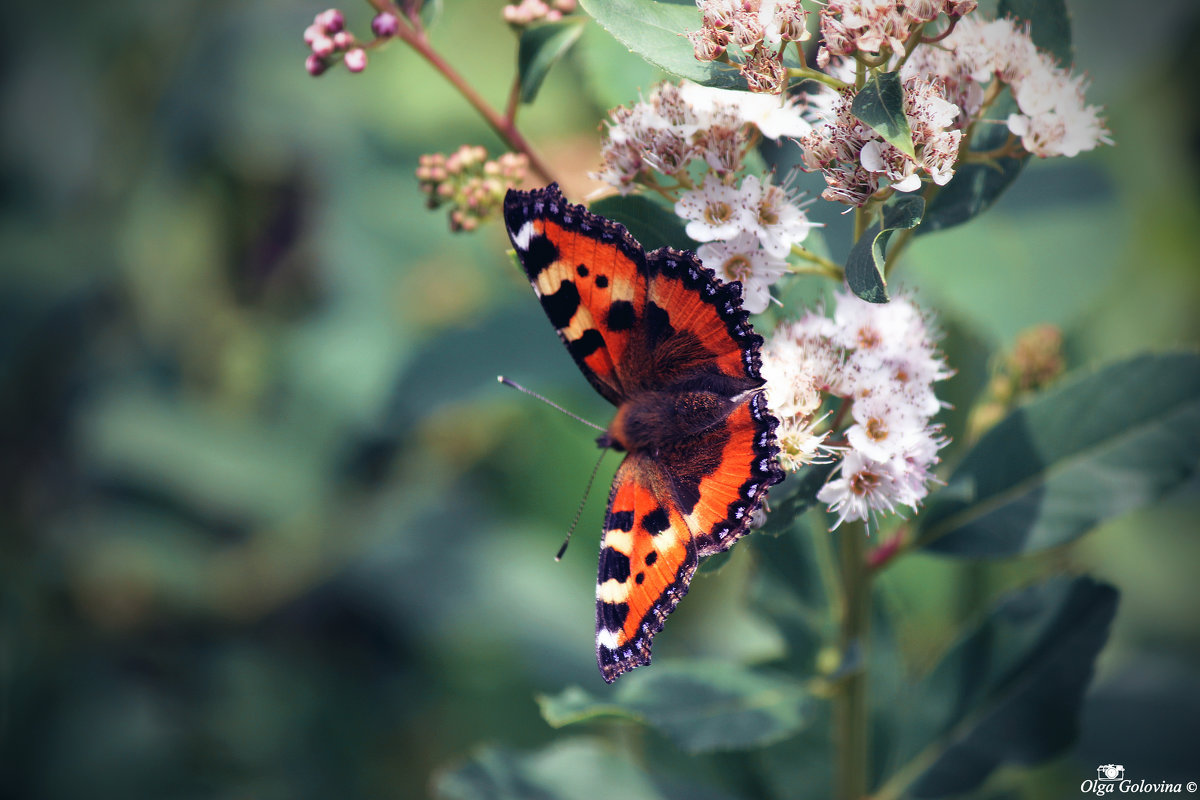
(821, 265)
(809, 74)
(503, 126)
(850, 703)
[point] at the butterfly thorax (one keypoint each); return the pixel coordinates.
(652, 421)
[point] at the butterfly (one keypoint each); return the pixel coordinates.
(660, 337)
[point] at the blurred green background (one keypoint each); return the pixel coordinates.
(270, 527)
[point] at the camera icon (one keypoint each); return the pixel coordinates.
(1110, 772)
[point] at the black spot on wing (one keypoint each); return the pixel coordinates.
(621, 316)
(582, 271)
(656, 521)
(585, 345)
(540, 255)
(561, 305)
(613, 564)
(651, 557)
(641, 576)
(658, 323)
(619, 521)
(602, 281)
(611, 616)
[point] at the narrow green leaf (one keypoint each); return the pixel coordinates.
(880, 106)
(864, 267)
(655, 31)
(1011, 691)
(540, 48)
(431, 13)
(1083, 452)
(649, 222)
(699, 705)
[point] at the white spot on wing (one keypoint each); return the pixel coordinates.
(523, 237)
(612, 591)
(607, 638)
(621, 541)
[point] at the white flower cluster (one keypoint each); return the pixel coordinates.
(1054, 117)
(854, 158)
(748, 229)
(759, 28)
(882, 359)
(946, 83)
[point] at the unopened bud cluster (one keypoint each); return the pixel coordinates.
(527, 12)
(469, 183)
(327, 37)
(758, 29)
(1035, 362)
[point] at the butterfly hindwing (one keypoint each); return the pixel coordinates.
(647, 559)
(721, 475)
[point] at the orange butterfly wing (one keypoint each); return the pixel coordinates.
(662, 338)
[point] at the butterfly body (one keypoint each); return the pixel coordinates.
(669, 345)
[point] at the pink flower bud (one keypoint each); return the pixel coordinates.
(315, 65)
(356, 60)
(322, 46)
(311, 33)
(332, 20)
(385, 25)
(343, 40)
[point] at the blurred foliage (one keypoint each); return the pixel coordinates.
(272, 530)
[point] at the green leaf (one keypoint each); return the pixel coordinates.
(569, 770)
(789, 590)
(1011, 691)
(795, 496)
(649, 222)
(864, 267)
(1049, 24)
(611, 73)
(699, 705)
(655, 31)
(1083, 452)
(541, 47)
(880, 106)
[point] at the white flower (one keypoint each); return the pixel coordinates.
(885, 426)
(741, 259)
(792, 370)
(860, 486)
(714, 211)
(772, 216)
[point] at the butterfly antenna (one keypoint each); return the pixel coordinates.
(550, 403)
(579, 512)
